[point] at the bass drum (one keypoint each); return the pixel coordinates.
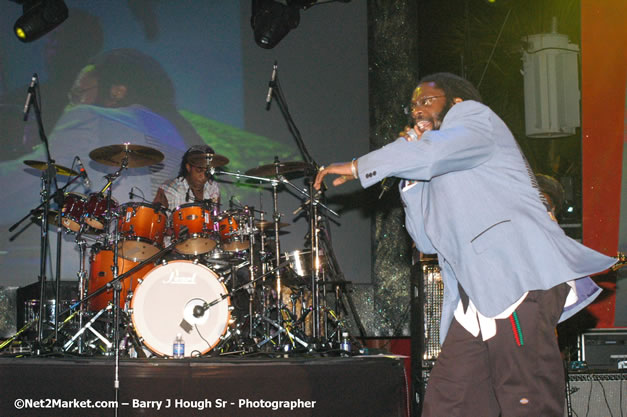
(165, 301)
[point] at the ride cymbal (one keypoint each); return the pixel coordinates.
(200, 160)
(268, 225)
(279, 168)
(139, 156)
(42, 166)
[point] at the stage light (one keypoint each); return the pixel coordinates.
(38, 18)
(272, 20)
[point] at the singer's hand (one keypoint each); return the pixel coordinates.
(410, 132)
(342, 169)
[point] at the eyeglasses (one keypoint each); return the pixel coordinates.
(426, 101)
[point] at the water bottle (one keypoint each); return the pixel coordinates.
(178, 347)
(345, 344)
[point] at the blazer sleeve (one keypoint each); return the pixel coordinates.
(464, 141)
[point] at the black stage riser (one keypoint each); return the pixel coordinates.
(339, 386)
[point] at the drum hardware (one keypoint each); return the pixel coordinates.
(280, 329)
(42, 213)
(200, 309)
(89, 326)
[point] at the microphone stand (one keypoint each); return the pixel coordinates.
(49, 175)
(313, 212)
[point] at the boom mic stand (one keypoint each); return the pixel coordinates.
(48, 176)
(277, 93)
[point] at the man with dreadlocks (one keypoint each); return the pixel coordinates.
(191, 184)
(509, 271)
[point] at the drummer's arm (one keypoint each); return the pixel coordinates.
(160, 198)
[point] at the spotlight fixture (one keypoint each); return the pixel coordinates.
(38, 18)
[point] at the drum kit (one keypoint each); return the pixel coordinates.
(216, 277)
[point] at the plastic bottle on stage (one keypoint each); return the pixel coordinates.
(178, 347)
(345, 345)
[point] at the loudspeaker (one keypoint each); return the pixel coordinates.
(426, 295)
(597, 395)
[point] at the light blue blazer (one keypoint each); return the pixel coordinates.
(469, 199)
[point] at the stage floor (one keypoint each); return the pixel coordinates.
(241, 386)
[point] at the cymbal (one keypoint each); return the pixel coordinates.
(138, 155)
(268, 225)
(271, 170)
(200, 160)
(39, 214)
(42, 166)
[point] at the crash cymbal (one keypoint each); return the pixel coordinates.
(268, 225)
(200, 160)
(138, 155)
(42, 166)
(280, 168)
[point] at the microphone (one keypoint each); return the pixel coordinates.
(271, 85)
(130, 194)
(29, 96)
(83, 172)
(386, 184)
(199, 311)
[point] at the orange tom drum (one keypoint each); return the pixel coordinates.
(233, 225)
(142, 228)
(101, 272)
(200, 235)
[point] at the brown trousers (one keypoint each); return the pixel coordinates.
(496, 377)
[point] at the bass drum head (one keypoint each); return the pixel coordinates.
(168, 295)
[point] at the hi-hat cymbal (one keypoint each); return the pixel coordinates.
(39, 214)
(138, 155)
(280, 168)
(200, 160)
(268, 225)
(42, 166)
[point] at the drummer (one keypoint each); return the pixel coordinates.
(192, 183)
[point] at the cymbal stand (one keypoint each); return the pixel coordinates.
(82, 283)
(314, 203)
(277, 219)
(277, 249)
(264, 267)
(252, 289)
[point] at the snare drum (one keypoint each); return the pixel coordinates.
(96, 210)
(142, 228)
(101, 272)
(31, 311)
(72, 211)
(232, 226)
(201, 236)
(166, 299)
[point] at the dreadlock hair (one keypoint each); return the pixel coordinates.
(453, 86)
(196, 149)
